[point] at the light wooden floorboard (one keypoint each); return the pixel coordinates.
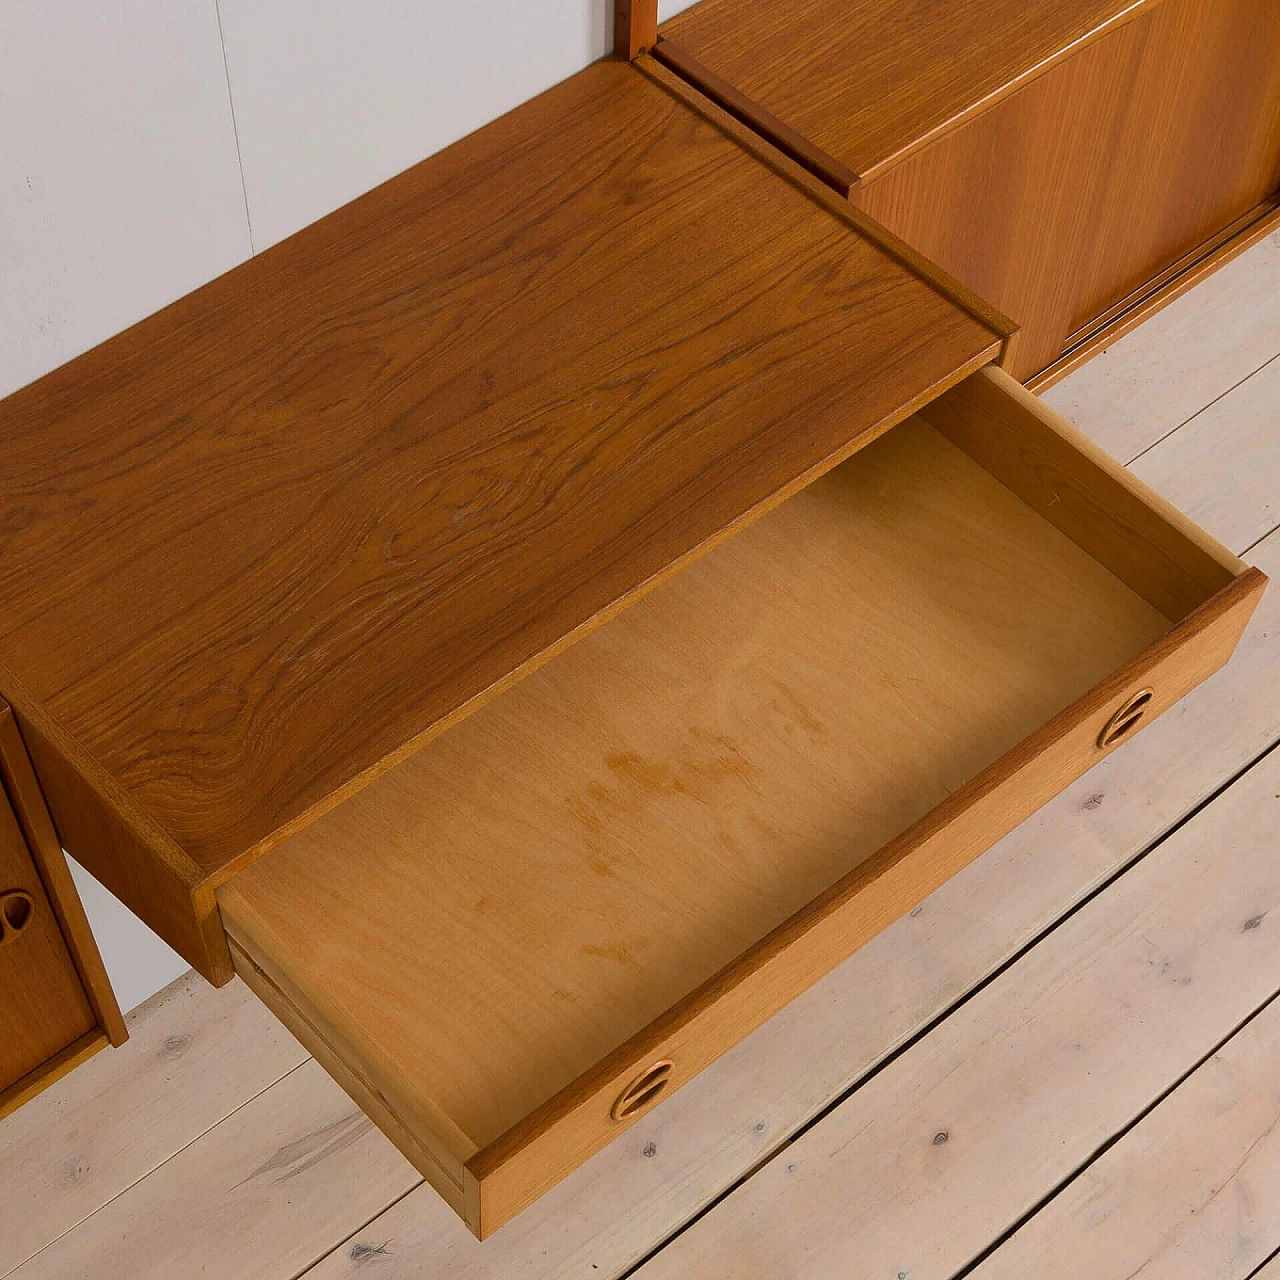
(1191, 1193)
(921, 1168)
(274, 1186)
(1163, 373)
(1231, 448)
(193, 1056)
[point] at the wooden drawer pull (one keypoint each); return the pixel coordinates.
(16, 910)
(1125, 719)
(643, 1090)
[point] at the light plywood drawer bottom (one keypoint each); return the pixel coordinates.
(547, 920)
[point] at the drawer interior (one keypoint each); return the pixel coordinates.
(501, 911)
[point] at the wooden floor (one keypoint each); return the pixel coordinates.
(1066, 1063)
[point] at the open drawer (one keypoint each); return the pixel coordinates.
(543, 923)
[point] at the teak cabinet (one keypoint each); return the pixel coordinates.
(538, 620)
(1077, 162)
(56, 1005)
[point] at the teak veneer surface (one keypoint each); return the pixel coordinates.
(43, 1005)
(869, 82)
(1107, 180)
(485, 922)
(267, 541)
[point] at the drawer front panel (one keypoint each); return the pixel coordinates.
(43, 1006)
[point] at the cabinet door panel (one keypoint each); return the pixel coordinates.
(1070, 195)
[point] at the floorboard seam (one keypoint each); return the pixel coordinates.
(1174, 430)
(953, 1008)
(1266, 1262)
(1041, 1204)
(106, 1204)
(364, 1226)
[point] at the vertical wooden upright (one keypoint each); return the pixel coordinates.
(635, 27)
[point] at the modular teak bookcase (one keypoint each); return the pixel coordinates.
(536, 621)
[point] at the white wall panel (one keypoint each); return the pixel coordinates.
(119, 187)
(334, 96)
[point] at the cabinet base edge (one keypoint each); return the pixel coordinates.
(1151, 297)
(78, 1051)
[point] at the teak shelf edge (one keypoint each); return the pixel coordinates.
(798, 174)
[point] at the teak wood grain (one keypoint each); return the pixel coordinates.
(625, 1202)
(56, 1003)
(1106, 183)
(635, 27)
(268, 541)
(42, 1002)
(29, 808)
(1170, 285)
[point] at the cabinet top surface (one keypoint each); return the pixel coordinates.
(869, 82)
(266, 541)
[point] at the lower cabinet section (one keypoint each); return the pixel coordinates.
(543, 923)
(56, 1006)
(1163, 133)
(1077, 165)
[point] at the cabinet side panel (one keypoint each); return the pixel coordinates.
(1195, 147)
(1007, 201)
(94, 824)
(43, 1007)
(635, 27)
(42, 841)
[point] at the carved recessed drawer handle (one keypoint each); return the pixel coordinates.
(643, 1090)
(1125, 719)
(16, 910)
